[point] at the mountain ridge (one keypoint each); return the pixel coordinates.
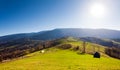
(64, 32)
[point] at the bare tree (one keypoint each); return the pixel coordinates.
(84, 46)
(93, 49)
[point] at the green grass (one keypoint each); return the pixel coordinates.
(56, 59)
(89, 46)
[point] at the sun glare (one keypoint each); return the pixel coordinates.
(97, 14)
(97, 10)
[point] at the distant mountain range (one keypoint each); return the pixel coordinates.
(58, 33)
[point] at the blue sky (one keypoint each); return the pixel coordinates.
(24, 16)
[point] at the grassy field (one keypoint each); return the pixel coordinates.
(56, 59)
(90, 47)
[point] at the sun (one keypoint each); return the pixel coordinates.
(97, 10)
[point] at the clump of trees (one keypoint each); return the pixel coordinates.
(113, 52)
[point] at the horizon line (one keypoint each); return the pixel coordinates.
(59, 28)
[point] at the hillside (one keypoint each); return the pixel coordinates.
(66, 54)
(63, 56)
(57, 59)
(20, 47)
(117, 40)
(90, 47)
(102, 41)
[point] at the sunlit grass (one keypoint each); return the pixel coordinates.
(56, 59)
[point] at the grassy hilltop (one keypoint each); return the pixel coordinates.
(56, 58)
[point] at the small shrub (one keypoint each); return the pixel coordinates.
(65, 46)
(76, 48)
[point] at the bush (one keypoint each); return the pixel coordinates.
(76, 48)
(65, 46)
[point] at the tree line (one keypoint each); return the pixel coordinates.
(18, 48)
(113, 52)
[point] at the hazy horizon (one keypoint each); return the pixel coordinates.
(26, 16)
(56, 28)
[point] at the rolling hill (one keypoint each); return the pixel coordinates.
(17, 45)
(102, 41)
(62, 57)
(63, 47)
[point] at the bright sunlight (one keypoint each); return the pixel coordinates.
(98, 10)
